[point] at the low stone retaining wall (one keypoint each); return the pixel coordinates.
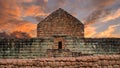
(100, 61)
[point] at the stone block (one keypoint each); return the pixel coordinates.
(66, 67)
(62, 63)
(117, 62)
(47, 67)
(110, 66)
(103, 66)
(68, 63)
(116, 66)
(104, 63)
(73, 63)
(57, 63)
(112, 62)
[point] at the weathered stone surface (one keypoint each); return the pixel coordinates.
(63, 62)
(110, 66)
(60, 23)
(112, 62)
(104, 63)
(71, 47)
(116, 66)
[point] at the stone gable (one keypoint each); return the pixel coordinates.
(60, 23)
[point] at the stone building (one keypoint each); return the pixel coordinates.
(60, 23)
(58, 35)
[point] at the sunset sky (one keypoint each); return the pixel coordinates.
(20, 17)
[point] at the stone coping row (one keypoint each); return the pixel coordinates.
(62, 59)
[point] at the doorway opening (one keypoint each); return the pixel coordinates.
(59, 45)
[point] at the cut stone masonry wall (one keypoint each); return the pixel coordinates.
(60, 23)
(71, 47)
(100, 61)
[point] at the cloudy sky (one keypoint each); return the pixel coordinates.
(20, 17)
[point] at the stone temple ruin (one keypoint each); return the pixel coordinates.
(58, 35)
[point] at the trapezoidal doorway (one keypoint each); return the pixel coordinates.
(60, 45)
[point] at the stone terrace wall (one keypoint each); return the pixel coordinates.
(44, 47)
(93, 46)
(100, 61)
(24, 48)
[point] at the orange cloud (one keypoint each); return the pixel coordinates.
(108, 32)
(16, 13)
(35, 11)
(18, 34)
(20, 26)
(99, 10)
(45, 1)
(26, 1)
(8, 12)
(102, 3)
(11, 18)
(111, 16)
(28, 28)
(90, 31)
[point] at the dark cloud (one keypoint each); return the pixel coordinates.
(4, 35)
(11, 13)
(101, 10)
(9, 10)
(15, 34)
(95, 15)
(18, 34)
(39, 18)
(101, 3)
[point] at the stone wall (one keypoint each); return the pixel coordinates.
(100, 61)
(60, 23)
(24, 48)
(48, 47)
